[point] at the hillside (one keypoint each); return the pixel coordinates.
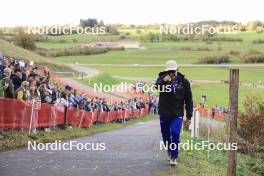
(14, 51)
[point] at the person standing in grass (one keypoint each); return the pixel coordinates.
(175, 94)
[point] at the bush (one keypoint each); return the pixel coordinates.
(121, 48)
(233, 52)
(219, 59)
(187, 48)
(25, 41)
(39, 37)
(62, 41)
(75, 40)
(253, 57)
(259, 41)
(114, 31)
(251, 122)
(138, 31)
(122, 37)
(224, 39)
(72, 51)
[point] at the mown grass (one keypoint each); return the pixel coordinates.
(213, 163)
(216, 93)
(137, 56)
(15, 139)
(159, 52)
(219, 94)
(250, 75)
(104, 78)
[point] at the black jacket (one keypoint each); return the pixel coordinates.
(9, 91)
(172, 101)
(17, 81)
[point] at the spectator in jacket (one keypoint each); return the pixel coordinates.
(176, 94)
(17, 78)
(3, 66)
(22, 92)
(7, 84)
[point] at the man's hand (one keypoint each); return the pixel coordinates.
(187, 123)
(167, 78)
(6, 85)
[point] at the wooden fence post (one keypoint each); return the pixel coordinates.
(232, 120)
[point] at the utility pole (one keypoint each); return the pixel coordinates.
(232, 120)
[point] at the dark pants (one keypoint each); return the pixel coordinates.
(170, 130)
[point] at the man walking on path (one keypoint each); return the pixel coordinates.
(173, 98)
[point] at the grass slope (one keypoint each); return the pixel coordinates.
(19, 53)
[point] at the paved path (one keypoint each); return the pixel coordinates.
(89, 72)
(85, 88)
(132, 150)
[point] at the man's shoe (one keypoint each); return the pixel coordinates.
(173, 161)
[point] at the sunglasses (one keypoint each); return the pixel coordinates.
(171, 72)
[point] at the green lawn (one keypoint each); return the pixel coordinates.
(103, 78)
(219, 94)
(216, 93)
(248, 36)
(194, 73)
(136, 56)
(159, 52)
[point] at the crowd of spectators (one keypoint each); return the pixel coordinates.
(25, 82)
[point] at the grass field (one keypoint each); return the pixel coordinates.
(195, 73)
(216, 93)
(219, 94)
(159, 52)
(103, 78)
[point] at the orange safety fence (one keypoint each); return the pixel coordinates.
(203, 111)
(14, 114)
(79, 89)
(217, 115)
